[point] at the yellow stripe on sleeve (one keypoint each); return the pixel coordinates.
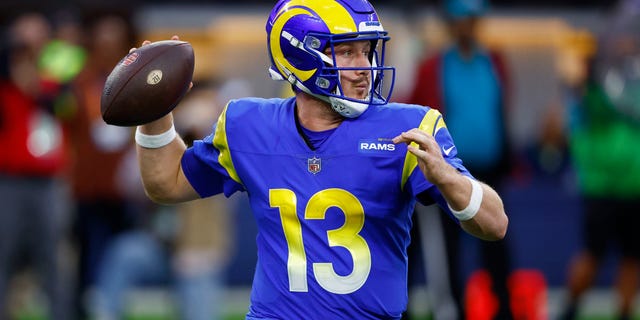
(430, 124)
(221, 143)
(439, 124)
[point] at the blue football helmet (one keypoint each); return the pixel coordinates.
(300, 31)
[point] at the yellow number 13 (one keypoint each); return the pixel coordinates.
(347, 236)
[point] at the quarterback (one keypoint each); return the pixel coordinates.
(332, 174)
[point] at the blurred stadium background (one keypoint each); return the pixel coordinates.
(545, 41)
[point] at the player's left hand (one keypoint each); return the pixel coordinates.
(430, 159)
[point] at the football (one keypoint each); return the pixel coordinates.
(147, 83)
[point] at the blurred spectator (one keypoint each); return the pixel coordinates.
(185, 250)
(469, 84)
(32, 159)
(63, 57)
(101, 209)
(604, 130)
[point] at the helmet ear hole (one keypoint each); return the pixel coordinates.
(314, 43)
(323, 83)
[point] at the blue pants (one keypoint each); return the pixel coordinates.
(137, 258)
(32, 215)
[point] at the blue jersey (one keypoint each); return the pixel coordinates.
(333, 223)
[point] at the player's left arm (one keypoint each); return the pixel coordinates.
(490, 221)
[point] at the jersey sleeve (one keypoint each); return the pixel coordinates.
(208, 164)
(434, 124)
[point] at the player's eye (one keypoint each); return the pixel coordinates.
(340, 52)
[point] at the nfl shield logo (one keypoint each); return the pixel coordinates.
(130, 58)
(314, 165)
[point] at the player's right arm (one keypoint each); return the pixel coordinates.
(161, 169)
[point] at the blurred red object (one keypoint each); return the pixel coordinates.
(528, 296)
(528, 289)
(479, 300)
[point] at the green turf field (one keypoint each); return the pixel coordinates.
(157, 305)
(35, 315)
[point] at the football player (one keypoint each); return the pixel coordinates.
(332, 174)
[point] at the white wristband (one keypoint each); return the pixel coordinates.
(474, 202)
(157, 140)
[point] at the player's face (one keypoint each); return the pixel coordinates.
(355, 54)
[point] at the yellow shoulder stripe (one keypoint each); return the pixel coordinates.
(430, 124)
(221, 143)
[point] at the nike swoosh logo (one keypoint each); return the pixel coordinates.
(447, 151)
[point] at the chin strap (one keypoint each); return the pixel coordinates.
(346, 108)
